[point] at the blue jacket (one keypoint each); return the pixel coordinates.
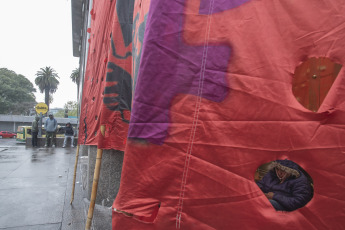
(51, 125)
(295, 192)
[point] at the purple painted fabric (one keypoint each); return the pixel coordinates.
(169, 67)
(219, 5)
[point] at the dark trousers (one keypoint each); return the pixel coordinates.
(50, 138)
(34, 139)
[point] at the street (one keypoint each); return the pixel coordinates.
(35, 189)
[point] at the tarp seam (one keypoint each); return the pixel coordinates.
(195, 120)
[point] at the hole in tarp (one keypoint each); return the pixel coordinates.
(285, 184)
(312, 81)
(145, 219)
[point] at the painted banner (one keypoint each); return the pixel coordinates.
(94, 80)
(107, 93)
(222, 88)
(117, 94)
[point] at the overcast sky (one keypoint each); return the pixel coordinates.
(35, 34)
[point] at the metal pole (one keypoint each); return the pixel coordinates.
(75, 173)
(94, 188)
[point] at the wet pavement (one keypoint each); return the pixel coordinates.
(35, 189)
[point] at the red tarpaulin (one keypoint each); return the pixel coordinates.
(214, 100)
(89, 125)
(117, 97)
(107, 92)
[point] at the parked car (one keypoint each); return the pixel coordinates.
(5, 134)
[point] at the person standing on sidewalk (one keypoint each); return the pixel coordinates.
(69, 133)
(51, 126)
(34, 131)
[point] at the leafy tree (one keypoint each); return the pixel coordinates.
(47, 82)
(16, 93)
(76, 78)
(59, 113)
(71, 106)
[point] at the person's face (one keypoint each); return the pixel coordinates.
(281, 173)
(50, 116)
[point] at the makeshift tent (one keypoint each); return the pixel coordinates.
(94, 79)
(107, 93)
(117, 98)
(214, 100)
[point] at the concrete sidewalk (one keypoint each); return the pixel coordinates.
(35, 189)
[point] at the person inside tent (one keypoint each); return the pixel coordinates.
(286, 186)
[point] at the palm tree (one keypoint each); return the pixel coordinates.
(47, 82)
(75, 78)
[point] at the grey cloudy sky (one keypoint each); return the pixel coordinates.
(35, 34)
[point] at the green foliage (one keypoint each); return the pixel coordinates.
(16, 93)
(71, 106)
(47, 82)
(75, 77)
(60, 113)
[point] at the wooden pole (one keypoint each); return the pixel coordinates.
(94, 188)
(75, 173)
